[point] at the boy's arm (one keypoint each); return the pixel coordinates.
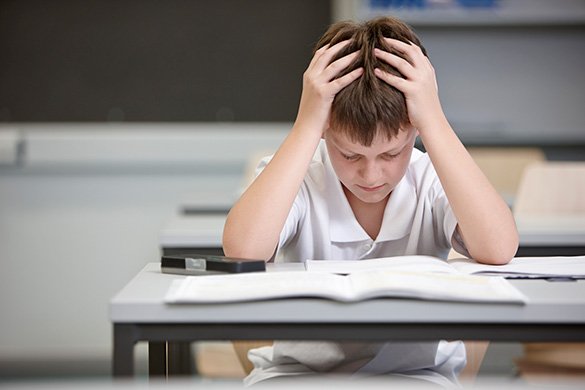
(485, 221)
(254, 224)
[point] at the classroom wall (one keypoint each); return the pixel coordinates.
(511, 84)
(80, 215)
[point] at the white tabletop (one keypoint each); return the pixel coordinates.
(141, 301)
(542, 230)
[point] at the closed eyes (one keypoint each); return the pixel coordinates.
(355, 157)
(388, 156)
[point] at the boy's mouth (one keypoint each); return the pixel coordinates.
(371, 189)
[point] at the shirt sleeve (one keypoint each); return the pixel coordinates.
(451, 229)
(445, 221)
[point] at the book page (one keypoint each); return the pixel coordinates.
(357, 286)
(535, 267)
(433, 286)
(257, 286)
(397, 263)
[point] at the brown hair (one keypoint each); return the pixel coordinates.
(360, 107)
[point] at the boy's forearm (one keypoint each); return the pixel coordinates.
(253, 226)
(484, 219)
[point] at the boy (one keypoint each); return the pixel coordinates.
(347, 183)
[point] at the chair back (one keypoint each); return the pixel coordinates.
(552, 188)
(504, 166)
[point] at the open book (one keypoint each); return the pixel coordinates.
(570, 267)
(442, 286)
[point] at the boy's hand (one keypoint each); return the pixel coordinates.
(320, 85)
(419, 84)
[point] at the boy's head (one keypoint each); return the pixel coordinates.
(368, 105)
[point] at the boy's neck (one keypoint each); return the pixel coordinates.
(368, 215)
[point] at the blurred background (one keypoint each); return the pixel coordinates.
(114, 115)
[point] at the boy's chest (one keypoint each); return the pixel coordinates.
(371, 225)
(368, 249)
(369, 216)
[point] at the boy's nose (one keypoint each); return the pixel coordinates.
(371, 174)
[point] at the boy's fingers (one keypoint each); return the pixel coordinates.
(399, 63)
(411, 50)
(318, 54)
(337, 66)
(345, 80)
(393, 80)
(397, 43)
(322, 48)
(325, 58)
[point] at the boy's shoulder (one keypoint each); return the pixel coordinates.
(417, 156)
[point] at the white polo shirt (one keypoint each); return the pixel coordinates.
(418, 220)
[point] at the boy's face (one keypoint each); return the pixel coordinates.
(370, 173)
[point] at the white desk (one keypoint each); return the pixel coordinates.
(538, 236)
(562, 235)
(556, 312)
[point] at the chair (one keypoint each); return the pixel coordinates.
(216, 359)
(504, 167)
(548, 193)
(552, 189)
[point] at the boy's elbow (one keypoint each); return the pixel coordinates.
(494, 259)
(243, 249)
(231, 247)
(499, 253)
(245, 253)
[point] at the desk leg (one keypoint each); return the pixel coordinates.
(180, 358)
(123, 351)
(157, 359)
(170, 359)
